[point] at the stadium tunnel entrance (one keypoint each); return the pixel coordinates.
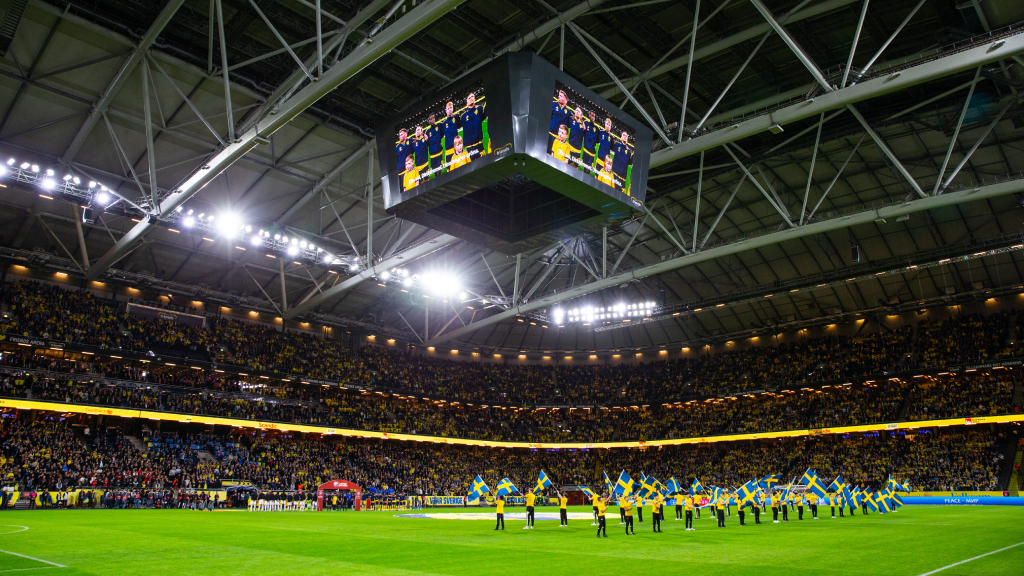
(338, 486)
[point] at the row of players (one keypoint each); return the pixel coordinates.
(440, 145)
(583, 143)
(690, 504)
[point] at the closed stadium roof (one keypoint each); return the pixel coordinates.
(799, 190)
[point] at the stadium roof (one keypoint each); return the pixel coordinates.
(768, 97)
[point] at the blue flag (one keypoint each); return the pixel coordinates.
(479, 488)
(505, 487)
(608, 484)
(769, 482)
(673, 486)
(695, 487)
(542, 482)
(649, 487)
(813, 483)
(624, 486)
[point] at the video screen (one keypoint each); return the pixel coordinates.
(589, 138)
(449, 134)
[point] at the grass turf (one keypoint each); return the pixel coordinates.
(914, 541)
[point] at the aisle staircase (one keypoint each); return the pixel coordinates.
(1014, 485)
(139, 444)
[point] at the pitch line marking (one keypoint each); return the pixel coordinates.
(24, 569)
(47, 561)
(972, 559)
(23, 528)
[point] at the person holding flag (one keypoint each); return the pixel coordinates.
(563, 513)
(623, 487)
(531, 498)
(656, 512)
(626, 505)
(720, 501)
(755, 506)
(499, 504)
(602, 508)
(690, 501)
(800, 506)
(696, 488)
(593, 500)
(785, 506)
(775, 508)
(674, 489)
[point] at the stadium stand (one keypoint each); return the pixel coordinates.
(278, 462)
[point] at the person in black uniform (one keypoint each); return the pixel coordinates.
(472, 120)
(589, 152)
(640, 510)
(577, 131)
(435, 143)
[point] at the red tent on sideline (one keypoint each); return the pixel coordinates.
(338, 485)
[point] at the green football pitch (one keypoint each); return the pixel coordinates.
(917, 540)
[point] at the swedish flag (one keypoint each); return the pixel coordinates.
(479, 487)
(648, 487)
(905, 487)
(608, 482)
(506, 487)
(813, 483)
(673, 486)
(856, 497)
(624, 486)
(542, 482)
(837, 485)
(695, 486)
(884, 501)
(590, 493)
(746, 493)
(897, 501)
(769, 482)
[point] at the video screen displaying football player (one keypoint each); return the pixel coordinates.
(587, 137)
(450, 133)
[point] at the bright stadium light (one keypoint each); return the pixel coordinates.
(293, 251)
(188, 221)
(49, 184)
(102, 198)
(256, 241)
(229, 225)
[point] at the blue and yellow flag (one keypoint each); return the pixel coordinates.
(695, 487)
(897, 501)
(746, 493)
(769, 482)
(673, 486)
(648, 487)
(505, 487)
(884, 501)
(624, 486)
(813, 483)
(608, 484)
(590, 493)
(856, 497)
(479, 487)
(905, 487)
(542, 482)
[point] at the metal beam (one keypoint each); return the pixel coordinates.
(726, 43)
(865, 217)
(323, 182)
(370, 272)
(931, 70)
(101, 105)
(415, 20)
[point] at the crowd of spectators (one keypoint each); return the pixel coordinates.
(48, 311)
(48, 455)
(964, 395)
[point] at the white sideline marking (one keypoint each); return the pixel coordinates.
(972, 559)
(54, 563)
(24, 569)
(23, 528)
